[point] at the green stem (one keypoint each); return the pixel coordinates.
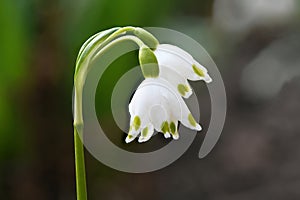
(91, 49)
(79, 167)
(80, 77)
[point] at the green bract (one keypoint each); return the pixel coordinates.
(148, 62)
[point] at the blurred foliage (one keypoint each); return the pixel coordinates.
(13, 63)
(89, 17)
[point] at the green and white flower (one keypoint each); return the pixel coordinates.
(175, 58)
(158, 103)
(177, 67)
(157, 106)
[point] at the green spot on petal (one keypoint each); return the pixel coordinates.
(165, 127)
(130, 136)
(182, 89)
(145, 132)
(172, 127)
(198, 71)
(136, 122)
(192, 120)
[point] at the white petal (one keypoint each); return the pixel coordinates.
(177, 80)
(187, 118)
(132, 134)
(142, 101)
(177, 50)
(178, 59)
(173, 129)
(146, 133)
(174, 61)
(150, 104)
(158, 114)
(181, 112)
(200, 73)
(167, 135)
(160, 111)
(174, 105)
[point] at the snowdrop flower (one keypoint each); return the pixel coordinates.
(157, 106)
(175, 58)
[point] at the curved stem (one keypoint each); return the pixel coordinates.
(102, 37)
(119, 32)
(79, 168)
(91, 49)
(141, 33)
(145, 37)
(78, 118)
(83, 71)
(120, 39)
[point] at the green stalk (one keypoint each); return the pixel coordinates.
(80, 77)
(79, 168)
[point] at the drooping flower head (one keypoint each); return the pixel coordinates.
(157, 104)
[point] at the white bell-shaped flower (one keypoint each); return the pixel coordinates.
(156, 105)
(183, 63)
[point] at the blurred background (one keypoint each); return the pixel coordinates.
(255, 44)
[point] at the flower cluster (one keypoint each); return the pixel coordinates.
(158, 102)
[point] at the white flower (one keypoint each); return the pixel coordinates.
(175, 58)
(157, 106)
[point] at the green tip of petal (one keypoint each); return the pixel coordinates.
(175, 135)
(129, 138)
(165, 127)
(198, 71)
(145, 132)
(192, 120)
(136, 122)
(182, 89)
(167, 135)
(172, 128)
